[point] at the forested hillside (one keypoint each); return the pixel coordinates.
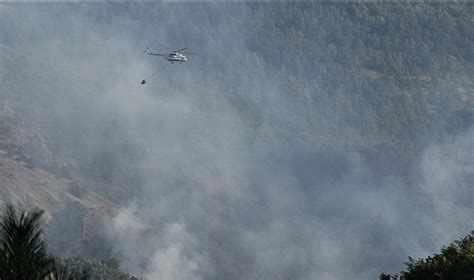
(399, 74)
(302, 141)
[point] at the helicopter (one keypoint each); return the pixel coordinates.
(173, 56)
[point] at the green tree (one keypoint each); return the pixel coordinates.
(454, 262)
(23, 253)
(384, 276)
(61, 271)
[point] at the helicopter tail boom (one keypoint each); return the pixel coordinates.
(148, 52)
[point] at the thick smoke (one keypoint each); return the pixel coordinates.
(210, 160)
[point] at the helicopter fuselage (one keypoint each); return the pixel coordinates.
(173, 56)
(176, 57)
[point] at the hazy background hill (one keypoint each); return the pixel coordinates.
(304, 141)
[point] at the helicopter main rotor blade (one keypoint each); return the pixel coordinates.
(189, 53)
(182, 49)
(166, 47)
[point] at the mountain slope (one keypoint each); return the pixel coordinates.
(294, 145)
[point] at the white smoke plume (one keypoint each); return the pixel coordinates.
(211, 160)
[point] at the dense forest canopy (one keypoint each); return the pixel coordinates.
(401, 70)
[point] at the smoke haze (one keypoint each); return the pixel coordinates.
(221, 173)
